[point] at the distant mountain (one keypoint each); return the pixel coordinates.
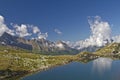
(9, 40)
(37, 45)
(47, 47)
(90, 48)
(84, 46)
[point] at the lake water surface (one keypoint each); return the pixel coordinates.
(99, 69)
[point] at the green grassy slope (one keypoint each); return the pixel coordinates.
(17, 62)
(109, 50)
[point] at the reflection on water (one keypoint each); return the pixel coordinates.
(99, 69)
(101, 65)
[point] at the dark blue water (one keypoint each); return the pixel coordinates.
(99, 69)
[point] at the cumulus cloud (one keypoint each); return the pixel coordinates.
(100, 34)
(21, 30)
(4, 28)
(100, 30)
(36, 30)
(42, 35)
(24, 30)
(1, 19)
(116, 38)
(58, 31)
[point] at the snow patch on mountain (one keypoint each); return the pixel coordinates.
(60, 45)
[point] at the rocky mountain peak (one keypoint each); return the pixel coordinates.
(14, 41)
(35, 45)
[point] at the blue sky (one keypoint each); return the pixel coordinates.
(68, 16)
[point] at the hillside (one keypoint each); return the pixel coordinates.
(15, 63)
(109, 50)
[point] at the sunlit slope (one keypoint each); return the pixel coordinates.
(109, 50)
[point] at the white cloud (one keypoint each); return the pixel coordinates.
(1, 19)
(58, 31)
(100, 32)
(36, 30)
(116, 38)
(4, 28)
(24, 30)
(21, 30)
(42, 35)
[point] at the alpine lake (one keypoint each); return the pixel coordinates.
(98, 69)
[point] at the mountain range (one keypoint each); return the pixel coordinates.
(36, 45)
